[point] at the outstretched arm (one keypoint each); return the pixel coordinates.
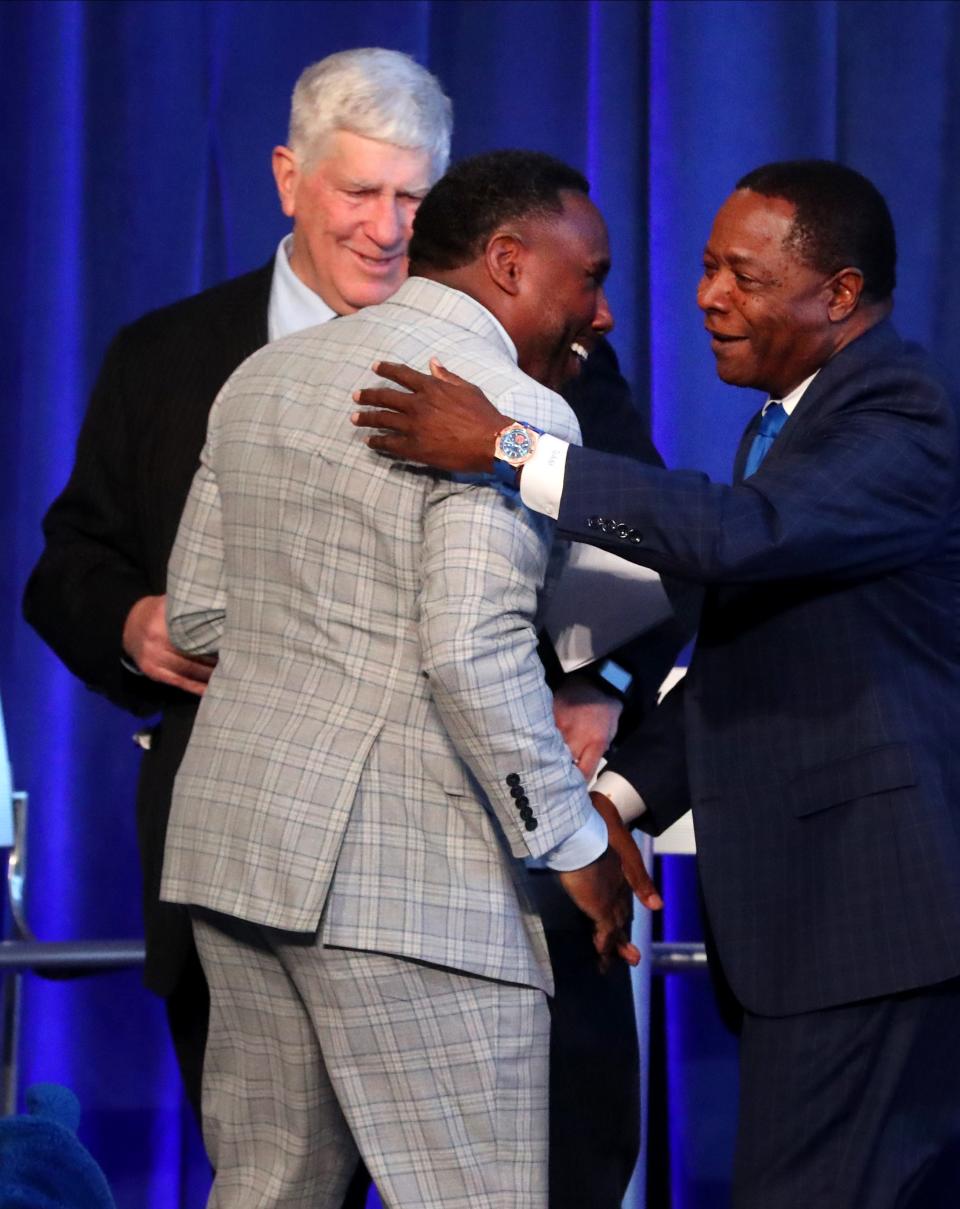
(91, 596)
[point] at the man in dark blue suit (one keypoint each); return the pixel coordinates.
(816, 732)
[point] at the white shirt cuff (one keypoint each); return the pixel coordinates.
(580, 848)
(541, 483)
(630, 805)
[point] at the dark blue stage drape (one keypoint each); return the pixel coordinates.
(138, 137)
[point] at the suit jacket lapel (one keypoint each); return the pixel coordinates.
(820, 394)
(743, 449)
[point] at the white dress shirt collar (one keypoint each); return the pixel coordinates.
(293, 305)
(789, 401)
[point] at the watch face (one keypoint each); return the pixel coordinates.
(515, 443)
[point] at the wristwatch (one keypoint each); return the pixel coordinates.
(609, 676)
(515, 445)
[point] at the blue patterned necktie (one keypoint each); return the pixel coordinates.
(772, 420)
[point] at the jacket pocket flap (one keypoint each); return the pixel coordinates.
(868, 772)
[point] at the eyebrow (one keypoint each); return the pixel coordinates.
(376, 186)
(735, 258)
(741, 258)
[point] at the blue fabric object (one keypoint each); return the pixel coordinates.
(772, 420)
(43, 1165)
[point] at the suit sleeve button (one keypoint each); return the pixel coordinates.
(513, 778)
(530, 824)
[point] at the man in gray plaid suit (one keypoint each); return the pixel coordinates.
(376, 752)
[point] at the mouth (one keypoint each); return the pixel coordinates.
(379, 266)
(719, 341)
(576, 357)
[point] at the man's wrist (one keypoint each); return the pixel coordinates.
(582, 848)
(610, 677)
(542, 482)
(514, 445)
(630, 805)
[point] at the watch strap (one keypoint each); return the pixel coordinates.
(610, 676)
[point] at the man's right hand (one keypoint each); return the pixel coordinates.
(631, 859)
(147, 642)
(601, 892)
(438, 418)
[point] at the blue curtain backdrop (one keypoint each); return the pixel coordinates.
(137, 171)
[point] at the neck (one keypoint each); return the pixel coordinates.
(866, 316)
(468, 281)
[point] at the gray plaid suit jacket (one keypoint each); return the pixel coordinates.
(378, 692)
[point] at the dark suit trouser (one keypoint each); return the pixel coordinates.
(594, 1062)
(854, 1107)
(188, 1014)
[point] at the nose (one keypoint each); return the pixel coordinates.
(603, 316)
(711, 293)
(387, 227)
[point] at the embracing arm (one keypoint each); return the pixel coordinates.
(92, 571)
(861, 492)
(864, 488)
(196, 585)
(652, 759)
(592, 703)
(484, 559)
(94, 595)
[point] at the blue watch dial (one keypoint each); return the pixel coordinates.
(516, 443)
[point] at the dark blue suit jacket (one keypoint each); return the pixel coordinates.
(820, 719)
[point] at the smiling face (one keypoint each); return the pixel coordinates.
(562, 302)
(772, 318)
(353, 216)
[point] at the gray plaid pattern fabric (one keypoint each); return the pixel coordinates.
(348, 781)
(378, 679)
(442, 1077)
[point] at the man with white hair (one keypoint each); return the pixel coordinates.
(369, 134)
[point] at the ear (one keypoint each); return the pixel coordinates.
(503, 257)
(845, 288)
(286, 172)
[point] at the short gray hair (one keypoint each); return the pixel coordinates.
(376, 93)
